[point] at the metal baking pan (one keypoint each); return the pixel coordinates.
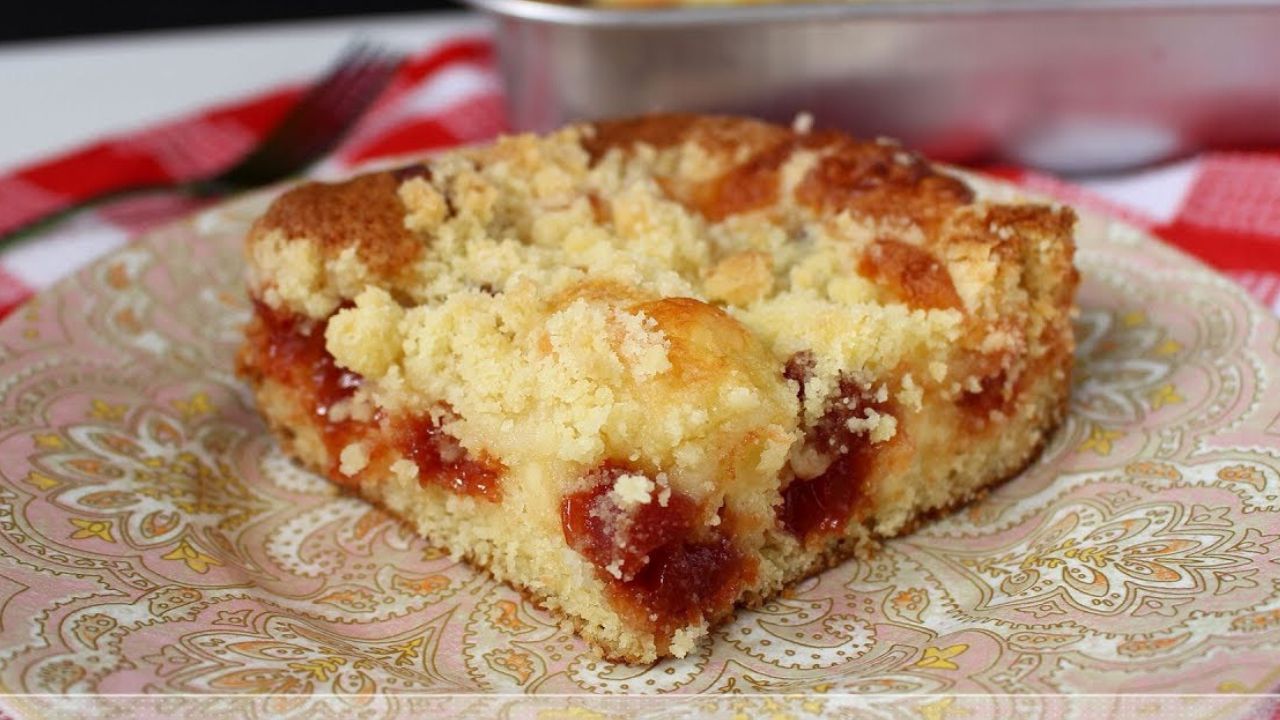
(1071, 86)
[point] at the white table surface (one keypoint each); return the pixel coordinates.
(60, 93)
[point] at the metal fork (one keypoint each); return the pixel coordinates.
(313, 127)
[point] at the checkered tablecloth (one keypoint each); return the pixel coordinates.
(1222, 207)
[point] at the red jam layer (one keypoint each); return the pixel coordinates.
(1001, 385)
(668, 575)
(292, 351)
(442, 461)
(824, 504)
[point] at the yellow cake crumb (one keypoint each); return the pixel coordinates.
(741, 278)
(366, 338)
(354, 458)
(630, 490)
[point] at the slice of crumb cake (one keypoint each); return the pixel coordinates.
(650, 369)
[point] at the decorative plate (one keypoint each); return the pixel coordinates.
(154, 540)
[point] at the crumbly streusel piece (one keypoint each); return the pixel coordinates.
(698, 358)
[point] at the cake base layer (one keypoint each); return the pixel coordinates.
(491, 539)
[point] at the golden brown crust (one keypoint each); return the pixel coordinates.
(364, 213)
(877, 179)
(911, 273)
(719, 134)
(880, 180)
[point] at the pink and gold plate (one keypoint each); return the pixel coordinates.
(153, 539)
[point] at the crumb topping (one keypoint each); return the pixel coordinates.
(632, 489)
(353, 459)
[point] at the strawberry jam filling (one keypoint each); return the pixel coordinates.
(659, 565)
(832, 467)
(988, 398)
(291, 351)
(1000, 386)
(442, 461)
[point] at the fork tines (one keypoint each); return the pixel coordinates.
(320, 119)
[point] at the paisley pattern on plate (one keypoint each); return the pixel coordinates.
(152, 538)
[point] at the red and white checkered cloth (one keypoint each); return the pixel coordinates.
(1221, 207)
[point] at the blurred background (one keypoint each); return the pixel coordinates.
(71, 72)
(1160, 111)
(29, 21)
